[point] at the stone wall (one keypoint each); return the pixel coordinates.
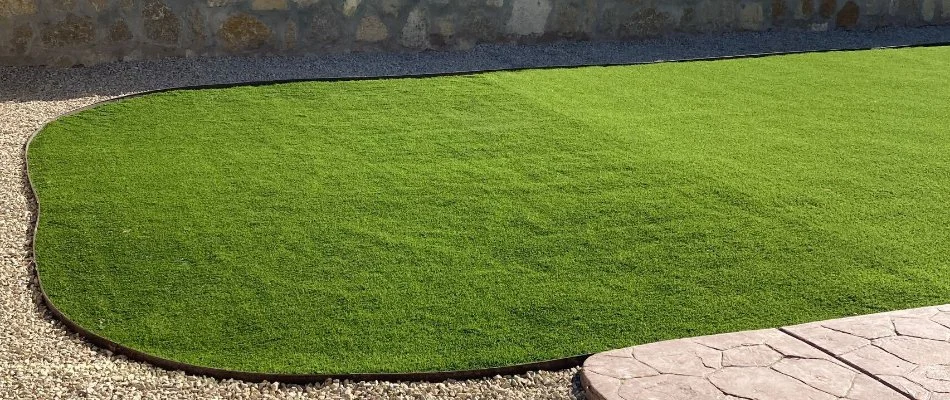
(70, 32)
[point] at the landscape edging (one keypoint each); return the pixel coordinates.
(430, 376)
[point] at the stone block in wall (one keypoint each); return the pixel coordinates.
(350, 7)
(805, 10)
(119, 32)
(222, 3)
(197, 29)
(441, 32)
(64, 32)
(710, 16)
(461, 25)
(848, 16)
(874, 7)
(65, 6)
(573, 19)
(626, 20)
(160, 24)
(15, 8)
(874, 13)
(290, 35)
(528, 17)
(827, 8)
(243, 32)
(751, 17)
(325, 29)
(99, 5)
(779, 11)
(372, 29)
(906, 10)
(393, 7)
(480, 28)
(72, 30)
(415, 32)
(269, 5)
(21, 39)
(928, 10)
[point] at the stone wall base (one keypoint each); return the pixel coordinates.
(86, 32)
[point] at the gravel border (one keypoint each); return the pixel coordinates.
(40, 359)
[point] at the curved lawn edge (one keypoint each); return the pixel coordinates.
(422, 376)
(430, 376)
(219, 373)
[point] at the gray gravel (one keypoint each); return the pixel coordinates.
(39, 359)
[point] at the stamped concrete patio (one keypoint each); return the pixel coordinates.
(895, 355)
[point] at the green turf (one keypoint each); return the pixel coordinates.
(476, 221)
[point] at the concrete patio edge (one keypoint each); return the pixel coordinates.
(893, 355)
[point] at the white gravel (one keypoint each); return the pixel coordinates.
(39, 359)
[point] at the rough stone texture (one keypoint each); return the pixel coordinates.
(72, 30)
(120, 32)
(779, 9)
(161, 25)
(197, 29)
(574, 19)
(848, 15)
(244, 32)
(415, 34)
(90, 31)
(20, 40)
(350, 6)
(325, 27)
(645, 23)
(905, 9)
(713, 15)
(528, 17)
(391, 7)
(751, 17)
(13, 8)
(99, 5)
(372, 29)
(807, 9)
(268, 5)
(290, 35)
(759, 365)
(60, 5)
(827, 8)
(928, 10)
(909, 349)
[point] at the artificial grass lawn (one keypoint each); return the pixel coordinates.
(475, 221)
